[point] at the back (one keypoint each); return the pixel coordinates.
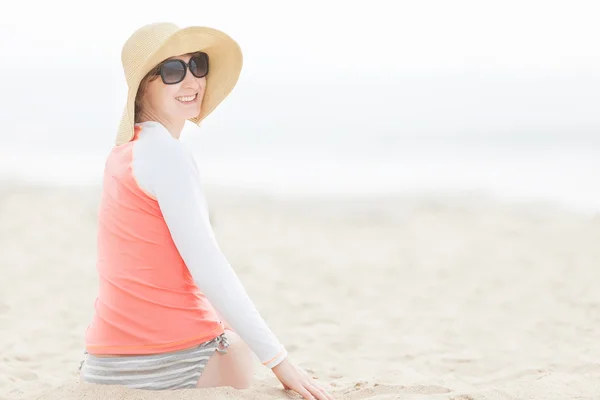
(147, 300)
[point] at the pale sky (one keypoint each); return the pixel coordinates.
(281, 38)
(328, 80)
(321, 68)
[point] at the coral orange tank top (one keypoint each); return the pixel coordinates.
(147, 299)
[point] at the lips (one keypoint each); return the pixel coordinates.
(187, 99)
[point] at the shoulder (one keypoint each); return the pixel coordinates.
(161, 146)
(156, 146)
(160, 158)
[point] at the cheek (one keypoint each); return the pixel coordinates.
(168, 97)
(161, 96)
(201, 91)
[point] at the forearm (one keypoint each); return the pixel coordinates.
(217, 280)
(176, 185)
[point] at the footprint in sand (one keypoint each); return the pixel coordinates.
(25, 375)
(22, 358)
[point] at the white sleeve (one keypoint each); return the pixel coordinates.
(174, 181)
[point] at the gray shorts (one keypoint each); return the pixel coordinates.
(174, 370)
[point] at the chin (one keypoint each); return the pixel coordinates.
(191, 115)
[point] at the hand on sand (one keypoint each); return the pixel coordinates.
(294, 379)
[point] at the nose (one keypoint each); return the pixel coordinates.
(190, 81)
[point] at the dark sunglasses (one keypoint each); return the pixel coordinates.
(173, 71)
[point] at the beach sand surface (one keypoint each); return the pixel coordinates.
(397, 297)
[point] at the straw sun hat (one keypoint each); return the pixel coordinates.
(153, 43)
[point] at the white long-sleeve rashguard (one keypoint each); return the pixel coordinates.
(165, 168)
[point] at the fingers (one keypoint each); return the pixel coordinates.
(300, 382)
(309, 391)
(325, 393)
(318, 386)
(306, 395)
(317, 392)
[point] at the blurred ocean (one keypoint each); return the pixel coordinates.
(526, 136)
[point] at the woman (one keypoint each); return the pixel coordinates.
(165, 288)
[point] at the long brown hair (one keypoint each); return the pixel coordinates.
(150, 76)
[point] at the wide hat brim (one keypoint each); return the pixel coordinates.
(157, 42)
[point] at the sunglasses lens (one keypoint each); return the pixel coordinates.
(199, 65)
(172, 72)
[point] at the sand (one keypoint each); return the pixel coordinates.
(384, 298)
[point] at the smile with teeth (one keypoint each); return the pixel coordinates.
(187, 99)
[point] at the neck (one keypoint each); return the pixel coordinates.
(174, 127)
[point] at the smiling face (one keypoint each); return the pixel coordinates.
(170, 103)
